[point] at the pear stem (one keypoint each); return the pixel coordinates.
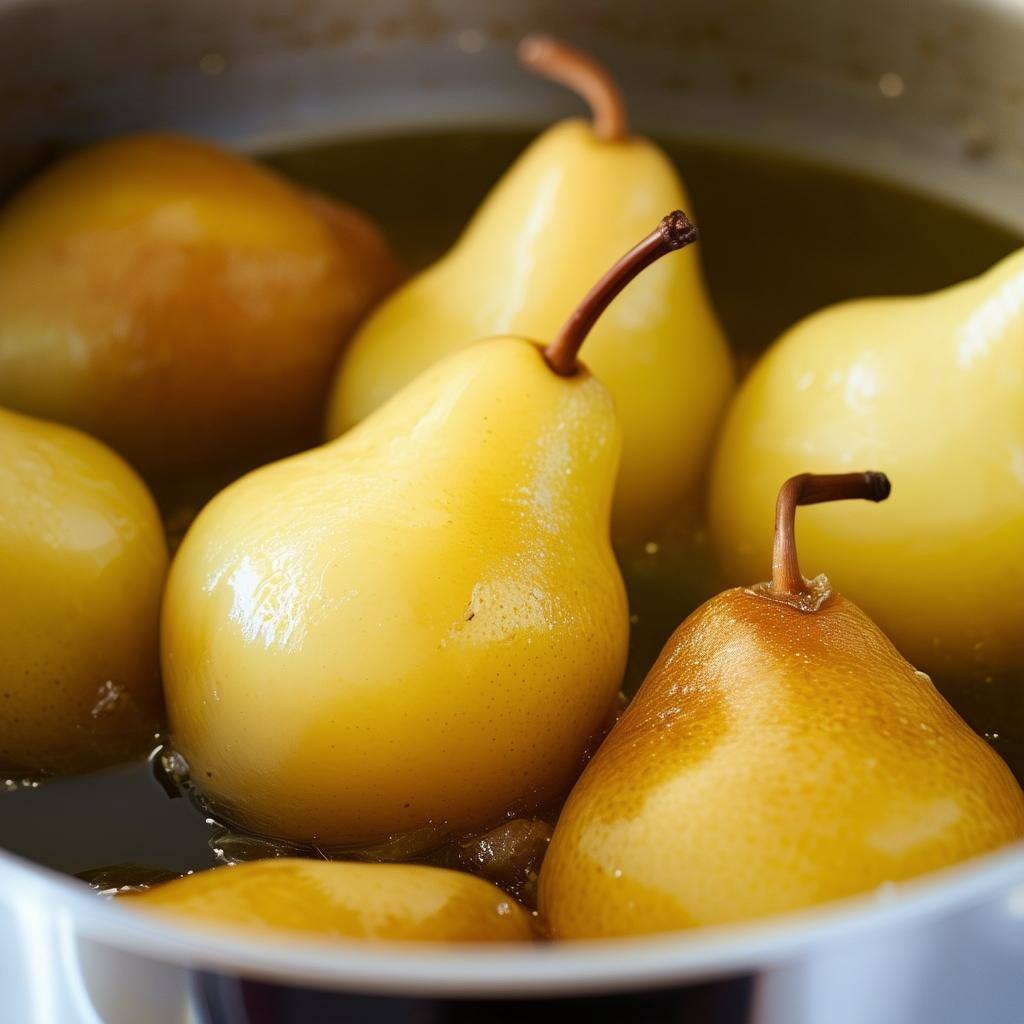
(579, 71)
(675, 231)
(811, 489)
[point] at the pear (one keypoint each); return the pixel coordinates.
(84, 560)
(179, 302)
(780, 753)
(325, 899)
(578, 196)
(932, 386)
(421, 624)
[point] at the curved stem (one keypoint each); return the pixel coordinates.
(580, 72)
(674, 232)
(810, 489)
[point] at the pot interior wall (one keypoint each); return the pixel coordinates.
(937, 99)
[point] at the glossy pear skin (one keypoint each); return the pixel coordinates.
(334, 899)
(930, 388)
(179, 302)
(567, 209)
(417, 625)
(772, 759)
(84, 559)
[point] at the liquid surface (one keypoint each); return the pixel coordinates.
(781, 239)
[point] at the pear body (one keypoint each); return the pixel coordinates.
(566, 210)
(772, 759)
(83, 562)
(416, 626)
(334, 899)
(929, 388)
(180, 303)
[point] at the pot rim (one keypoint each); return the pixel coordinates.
(574, 967)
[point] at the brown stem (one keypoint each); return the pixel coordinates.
(580, 72)
(674, 232)
(810, 489)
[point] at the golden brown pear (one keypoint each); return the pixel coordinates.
(339, 900)
(780, 753)
(179, 302)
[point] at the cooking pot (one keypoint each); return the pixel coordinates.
(927, 93)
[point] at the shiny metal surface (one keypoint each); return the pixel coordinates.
(930, 91)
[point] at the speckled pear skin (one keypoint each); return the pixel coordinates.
(771, 760)
(419, 625)
(334, 899)
(82, 567)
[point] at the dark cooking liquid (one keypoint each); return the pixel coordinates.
(781, 238)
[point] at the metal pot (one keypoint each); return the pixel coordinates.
(929, 93)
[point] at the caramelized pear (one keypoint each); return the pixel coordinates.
(179, 302)
(780, 753)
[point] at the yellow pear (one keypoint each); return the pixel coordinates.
(780, 753)
(335, 899)
(577, 197)
(84, 559)
(421, 624)
(179, 302)
(931, 386)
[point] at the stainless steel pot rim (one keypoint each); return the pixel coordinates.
(576, 967)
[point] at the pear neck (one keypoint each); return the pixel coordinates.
(590, 80)
(788, 583)
(675, 231)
